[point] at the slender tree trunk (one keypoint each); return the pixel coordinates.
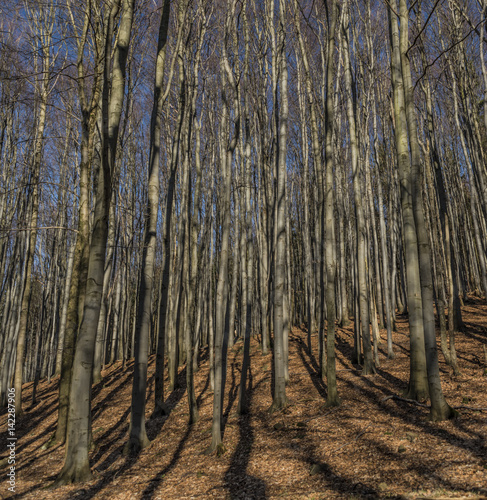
(243, 403)
(279, 399)
(418, 382)
(368, 366)
(440, 410)
(76, 466)
(138, 436)
(44, 25)
(332, 393)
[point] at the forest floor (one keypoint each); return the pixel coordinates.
(369, 447)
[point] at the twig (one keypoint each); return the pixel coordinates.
(417, 403)
(412, 401)
(362, 432)
(442, 53)
(16, 230)
(472, 408)
(423, 28)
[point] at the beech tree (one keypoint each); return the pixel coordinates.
(138, 436)
(42, 24)
(76, 467)
(179, 179)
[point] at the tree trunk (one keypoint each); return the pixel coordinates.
(76, 466)
(418, 382)
(368, 362)
(138, 436)
(440, 410)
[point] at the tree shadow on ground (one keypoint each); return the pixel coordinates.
(111, 396)
(414, 416)
(344, 484)
(31, 417)
(341, 484)
(154, 425)
(109, 437)
(395, 381)
(370, 389)
(30, 422)
(311, 365)
(44, 388)
(238, 482)
(232, 396)
(475, 332)
(158, 479)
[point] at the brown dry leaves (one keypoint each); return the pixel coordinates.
(366, 448)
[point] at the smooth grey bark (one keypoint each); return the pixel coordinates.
(443, 212)
(384, 260)
(10, 324)
(263, 266)
(90, 113)
(64, 311)
(476, 207)
(200, 262)
(42, 23)
(440, 410)
(332, 398)
(279, 399)
(418, 382)
(211, 302)
(361, 256)
(226, 160)
(106, 301)
(117, 345)
(138, 436)
(192, 326)
(316, 149)
(76, 466)
(247, 240)
(235, 268)
(164, 311)
(190, 237)
(344, 312)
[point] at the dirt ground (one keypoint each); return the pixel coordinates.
(369, 447)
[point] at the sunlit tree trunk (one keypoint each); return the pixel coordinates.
(42, 23)
(279, 399)
(76, 466)
(418, 382)
(368, 366)
(226, 160)
(440, 410)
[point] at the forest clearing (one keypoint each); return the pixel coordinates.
(368, 447)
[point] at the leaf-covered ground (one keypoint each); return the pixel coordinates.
(369, 447)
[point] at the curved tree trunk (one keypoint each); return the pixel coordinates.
(76, 466)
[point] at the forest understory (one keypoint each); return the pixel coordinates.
(371, 446)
